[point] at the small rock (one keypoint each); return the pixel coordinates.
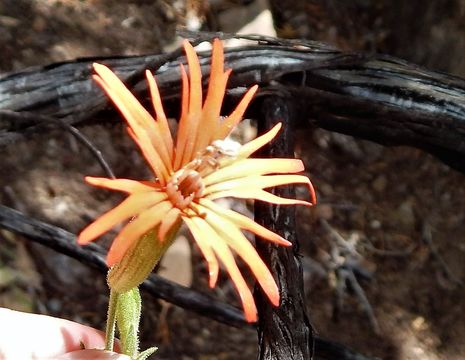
(379, 184)
(419, 324)
(129, 22)
(8, 21)
(375, 224)
(405, 215)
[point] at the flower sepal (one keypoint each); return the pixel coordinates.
(146, 353)
(139, 261)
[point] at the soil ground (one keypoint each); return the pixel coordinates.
(401, 209)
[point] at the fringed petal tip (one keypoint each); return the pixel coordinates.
(312, 191)
(255, 144)
(97, 67)
(83, 238)
(250, 316)
(114, 256)
(113, 259)
(285, 242)
(213, 278)
(97, 181)
(273, 296)
(102, 73)
(110, 262)
(186, 43)
(92, 179)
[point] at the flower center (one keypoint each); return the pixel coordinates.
(185, 186)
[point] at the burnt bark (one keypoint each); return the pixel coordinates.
(284, 332)
(370, 96)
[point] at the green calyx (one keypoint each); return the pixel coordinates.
(139, 260)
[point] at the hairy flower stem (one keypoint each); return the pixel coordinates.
(124, 306)
(111, 321)
(124, 312)
(128, 311)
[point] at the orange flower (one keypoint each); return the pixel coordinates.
(194, 170)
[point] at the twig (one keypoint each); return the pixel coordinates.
(96, 152)
(360, 293)
(346, 263)
(427, 237)
(392, 253)
(346, 245)
(199, 36)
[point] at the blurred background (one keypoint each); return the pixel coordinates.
(392, 216)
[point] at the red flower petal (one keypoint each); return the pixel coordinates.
(245, 223)
(146, 221)
(124, 185)
(239, 243)
(236, 116)
(204, 244)
(138, 118)
(131, 206)
(224, 254)
(249, 167)
(160, 113)
(191, 122)
(214, 100)
(255, 194)
(252, 146)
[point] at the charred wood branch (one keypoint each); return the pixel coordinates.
(92, 255)
(46, 92)
(284, 332)
(374, 97)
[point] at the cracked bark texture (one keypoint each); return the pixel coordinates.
(374, 97)
(284, 332)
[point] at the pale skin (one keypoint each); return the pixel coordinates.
(31, 336)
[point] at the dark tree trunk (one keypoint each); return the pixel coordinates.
(284, 332)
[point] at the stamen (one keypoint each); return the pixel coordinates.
(184, 187)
